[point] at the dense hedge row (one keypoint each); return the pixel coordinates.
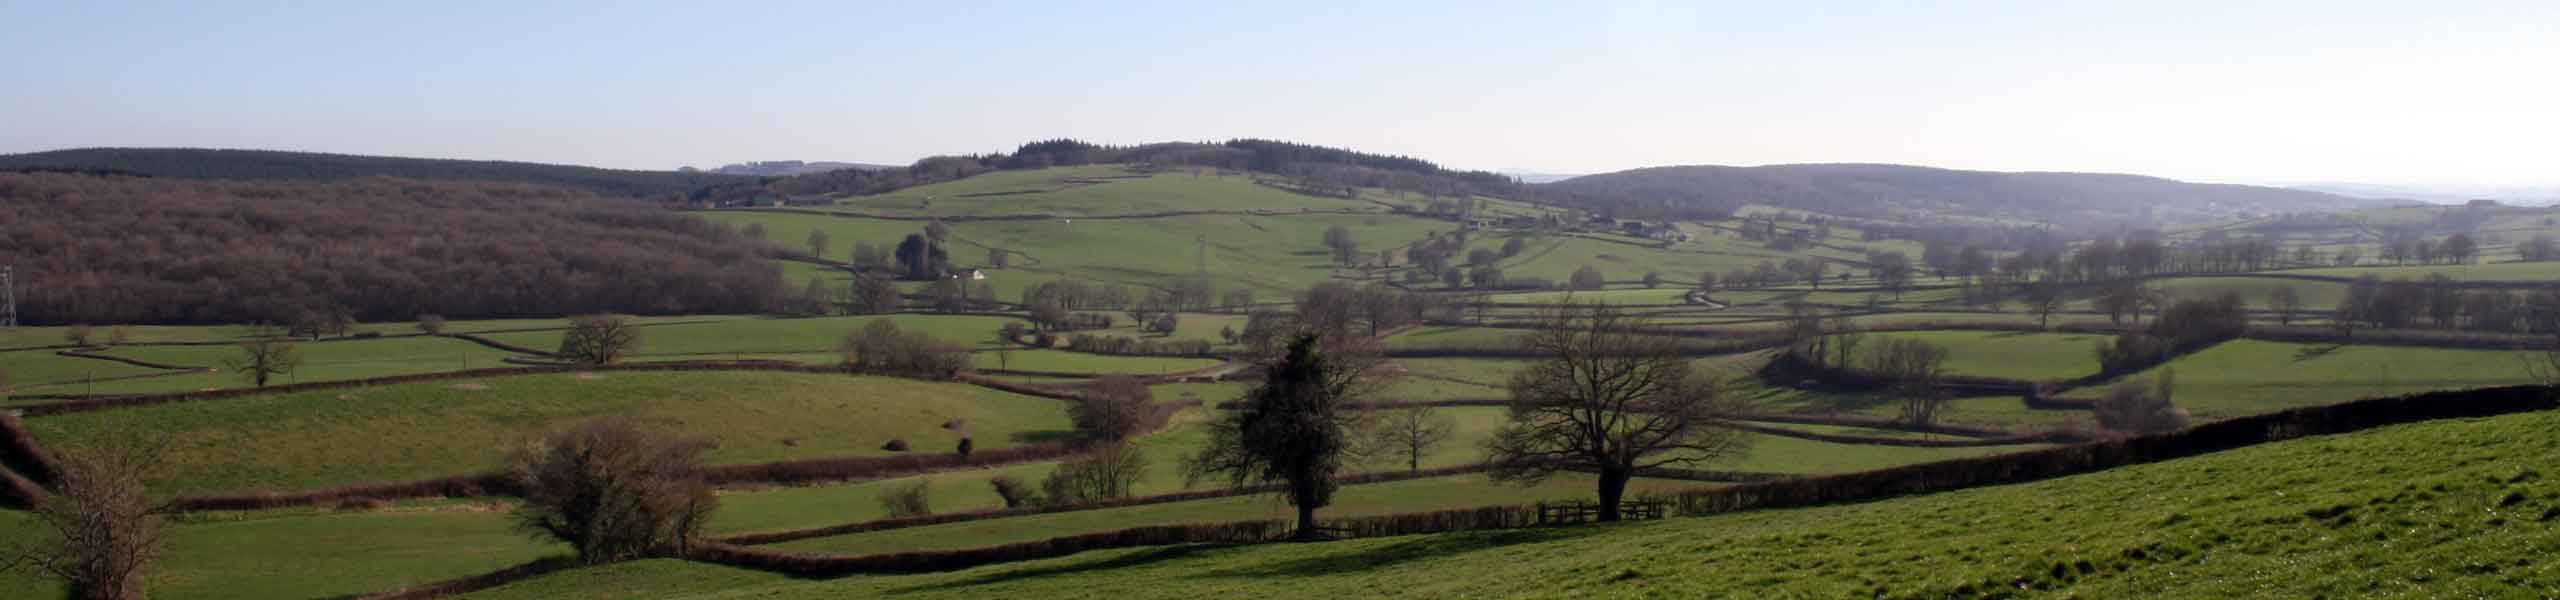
(808, 565)
(776, 537)
(457, 486)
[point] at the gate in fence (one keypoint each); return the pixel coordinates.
(1568, 513)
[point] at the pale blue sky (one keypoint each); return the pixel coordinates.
(2273, 92)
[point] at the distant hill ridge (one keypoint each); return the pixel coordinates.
(275, 165)
(786, 168)
(1901, 190)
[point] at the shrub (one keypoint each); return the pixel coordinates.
(613, 489)
(965, 447)
(1109, 472)
(100, 527)
(881, 347)
(2131, 351)
(431, 324)
(1014, 492)
(77, 334)
(2129, 408)
(910, 500)
(895, 446)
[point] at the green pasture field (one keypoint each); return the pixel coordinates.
(1051, 191)
(2003, 354)
(1671, 292)
(2496, 271)
(1445, 335)
(1273, 255)
(2446, 509)
(413, 431)
(327, 360)
(25, 369)
(2244, 377)
(771, 335)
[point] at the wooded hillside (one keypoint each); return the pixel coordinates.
(265, 165)
(93, 249)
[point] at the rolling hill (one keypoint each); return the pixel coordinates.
(1876, 190)
(269, 165)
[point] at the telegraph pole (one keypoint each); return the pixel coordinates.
(8, 297)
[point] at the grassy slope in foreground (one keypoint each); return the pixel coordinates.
(2460, 508)
(411, 431)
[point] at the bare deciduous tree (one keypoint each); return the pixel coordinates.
(266, 355)
(1913, 367)
(599, 339)
(1109, 472)
(2130, 408)
(1413, 432)
(1113, 408)
(100, 526)
(613, 489)
(1608, 399)
(2285, 302)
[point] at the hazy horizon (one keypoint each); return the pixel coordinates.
(2447, 93)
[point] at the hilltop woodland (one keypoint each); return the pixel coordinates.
(132, 250)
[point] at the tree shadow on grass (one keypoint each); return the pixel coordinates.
(1132, 559)
(2311, 353)
(1413, 548)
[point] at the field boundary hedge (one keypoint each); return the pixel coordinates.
(776, 537)
(90, 403)
(495, 344)
(1835, 438)
(82, 353)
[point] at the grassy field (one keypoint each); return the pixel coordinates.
(1062, 361)
(1440, 335)
(421, 430)
(2004, 354)
(36, 368)
(2446, 509)
(2244, 377)
(778, 335)
(331, 360)
(1104, 190)
(1274, 255)
(2505, 271)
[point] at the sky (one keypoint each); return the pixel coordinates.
(2251, 92)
